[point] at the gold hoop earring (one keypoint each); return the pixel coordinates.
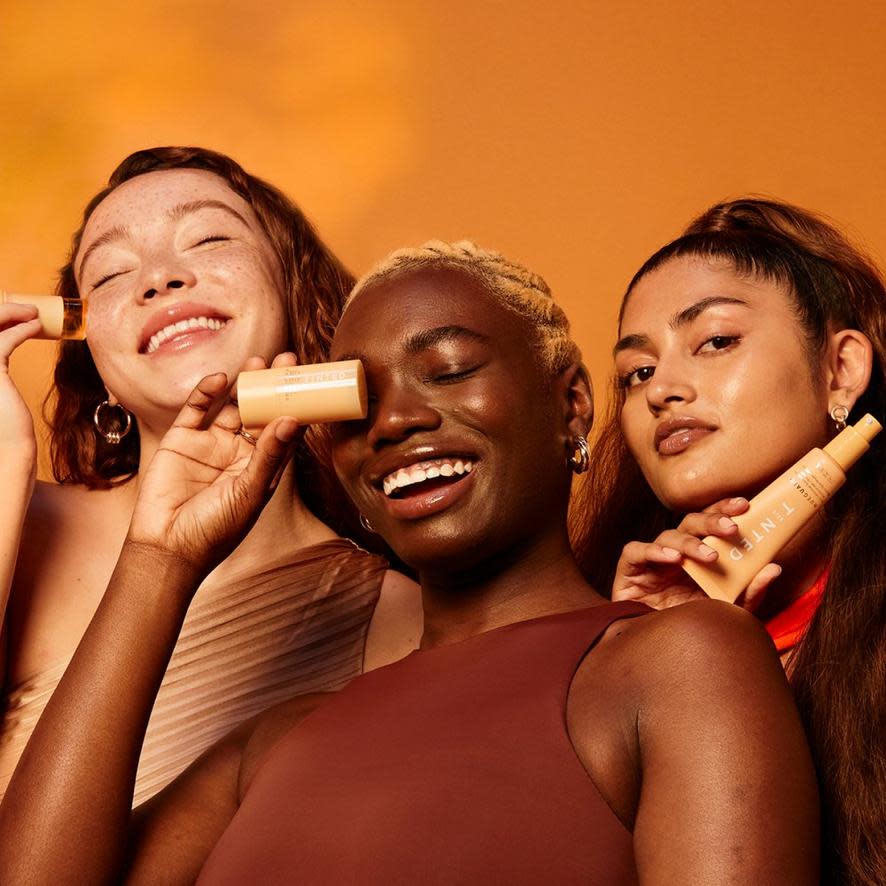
(839, 414)
(579, 459)
(365, 523)
(112, 435)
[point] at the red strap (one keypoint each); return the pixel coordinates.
(788, 626)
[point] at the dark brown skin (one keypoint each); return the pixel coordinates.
(701, 756)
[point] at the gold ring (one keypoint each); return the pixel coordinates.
(246, 435)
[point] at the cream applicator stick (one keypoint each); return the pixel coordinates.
(312, 393)
(778, 512)
(63, 318)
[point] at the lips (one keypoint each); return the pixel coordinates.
(677, 434)
(175, 322)
(423, 483)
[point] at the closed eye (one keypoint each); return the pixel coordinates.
(448, 378)
(102, 280)
(214, 238)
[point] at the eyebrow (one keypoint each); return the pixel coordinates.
(681, 318)
(428, 338)
(176, 213)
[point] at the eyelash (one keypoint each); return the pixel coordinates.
(214, 238)
(453, 377)
(105, 279)
(624, 380)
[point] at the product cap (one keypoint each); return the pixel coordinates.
(853, 442)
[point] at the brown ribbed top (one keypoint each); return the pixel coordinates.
(294, 627)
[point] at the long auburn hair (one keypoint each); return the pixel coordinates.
(315, 285)
(838, 670)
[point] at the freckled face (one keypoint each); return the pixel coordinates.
(181, 281)
(720, 395)
(453, 380)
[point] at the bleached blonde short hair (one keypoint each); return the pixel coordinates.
(514, 286)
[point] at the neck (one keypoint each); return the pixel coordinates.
(522, 583)
(802, 561)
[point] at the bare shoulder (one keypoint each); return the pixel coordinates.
(396, 626)
(269, 727)
(694, 637)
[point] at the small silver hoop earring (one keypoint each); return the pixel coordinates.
(365, 523)
(580, 458)
(115, 434)
(839, 414)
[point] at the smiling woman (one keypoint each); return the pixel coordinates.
(190, 267)
(528, 740)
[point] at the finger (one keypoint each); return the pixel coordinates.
(708, 523)
(755, 592)
(17, 334)
(201, 401)
(251, 365)
(729, 506)
(287, 358)
(272, 451)
(688, 545)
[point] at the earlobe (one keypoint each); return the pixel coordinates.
(850, 362)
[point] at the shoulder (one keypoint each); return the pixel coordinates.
(699, 634)
(396, 625)
(260, 735)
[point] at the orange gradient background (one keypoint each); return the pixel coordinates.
(575, 137)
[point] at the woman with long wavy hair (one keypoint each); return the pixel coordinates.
(742, 344)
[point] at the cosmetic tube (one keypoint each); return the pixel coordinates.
(312, 393)
(61, 317)
(778, 512)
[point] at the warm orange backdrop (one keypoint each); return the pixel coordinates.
(574, 136)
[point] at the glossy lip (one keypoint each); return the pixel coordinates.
(174, 314)
(421, 503)
(675, 435)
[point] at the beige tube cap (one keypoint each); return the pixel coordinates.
(853, 442)
(317, 392)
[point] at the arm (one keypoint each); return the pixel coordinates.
(18, 448)
(728, 789)
(651, 573)
(66, 813)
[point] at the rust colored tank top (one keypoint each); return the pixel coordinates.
(451, 766)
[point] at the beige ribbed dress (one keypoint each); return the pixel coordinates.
(297, 626)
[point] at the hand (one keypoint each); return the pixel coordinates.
(206, 485)
(651, 572)
(18, 323)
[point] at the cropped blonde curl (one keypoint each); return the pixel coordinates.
(515, 287)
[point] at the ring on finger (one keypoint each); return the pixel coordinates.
(241, 432)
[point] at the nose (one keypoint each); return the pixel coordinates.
(166, 274)
(397, 413)
(669, 386)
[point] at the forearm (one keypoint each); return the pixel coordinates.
(66, 812)
(17, 471)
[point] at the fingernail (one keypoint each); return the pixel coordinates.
(673, 553)
(739, 500)
(725, 523)
(705, 551)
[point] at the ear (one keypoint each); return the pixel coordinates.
(578, 399)
(849, 366)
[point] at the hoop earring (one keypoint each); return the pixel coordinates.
(113, 435)
(365, 523)
(839, 414)
(580, 458)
